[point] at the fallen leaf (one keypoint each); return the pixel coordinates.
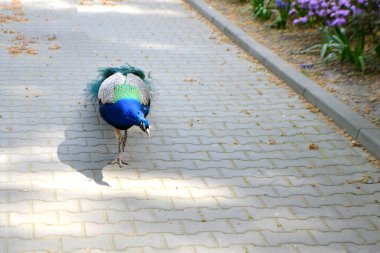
(16, 50)
(247, 112)
(19, 37)
(51, 37)
(365, 179)
(9, 31)
(330, 89)
(31, 51)
(367, 110)
(313, 146)
(54, 47)
(312, 108)
(373, 99)
(19, 13)
(190, 80)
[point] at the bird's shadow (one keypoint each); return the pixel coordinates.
(87, 146)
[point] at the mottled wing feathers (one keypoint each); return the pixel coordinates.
(118, 87)
(135, 81)
(107, 88)
(93, 86)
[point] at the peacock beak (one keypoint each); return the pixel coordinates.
(147, 132)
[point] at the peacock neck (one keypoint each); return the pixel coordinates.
(131, 110)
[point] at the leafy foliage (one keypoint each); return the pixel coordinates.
(261, 9)
(337, 44)
(282, 13)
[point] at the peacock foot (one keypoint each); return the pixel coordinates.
(119, 160)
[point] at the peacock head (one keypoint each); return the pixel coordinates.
(144, 125)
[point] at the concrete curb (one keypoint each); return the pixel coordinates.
(357, 126)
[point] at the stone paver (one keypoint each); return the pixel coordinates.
(227, 169)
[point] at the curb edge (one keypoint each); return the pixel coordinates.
(355, 125)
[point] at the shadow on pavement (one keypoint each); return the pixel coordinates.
(85, 148)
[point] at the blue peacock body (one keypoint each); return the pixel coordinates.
(124, 96)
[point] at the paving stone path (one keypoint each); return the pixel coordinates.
(228, 167)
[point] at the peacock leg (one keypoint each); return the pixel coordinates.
(124, 139)
(120, 140)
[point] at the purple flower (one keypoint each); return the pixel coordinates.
(324, 5)
(332, 12)
(343, 12)
(310, 14)
(303, 1)
(301, 20)
(281, 4)
(321, 13)
(306, 66)
(345, 3)
(356, 11)
(338, 22)
(314, 3)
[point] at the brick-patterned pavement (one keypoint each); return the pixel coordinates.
(227, 169)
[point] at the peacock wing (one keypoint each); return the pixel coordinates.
(107, 88)
(135, 81)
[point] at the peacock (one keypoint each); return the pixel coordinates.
(124, 96)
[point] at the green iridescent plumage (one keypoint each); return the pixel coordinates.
(104, 73)
(126, 91)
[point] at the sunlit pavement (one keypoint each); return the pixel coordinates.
(228, 167)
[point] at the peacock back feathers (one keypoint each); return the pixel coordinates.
(114, 84)
(117, 87)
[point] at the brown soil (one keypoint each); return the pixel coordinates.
(360, 92)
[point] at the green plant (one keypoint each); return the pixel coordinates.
(282, 14)
(261, 9)
(376, 49)
(350, 29)
(337, 44)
